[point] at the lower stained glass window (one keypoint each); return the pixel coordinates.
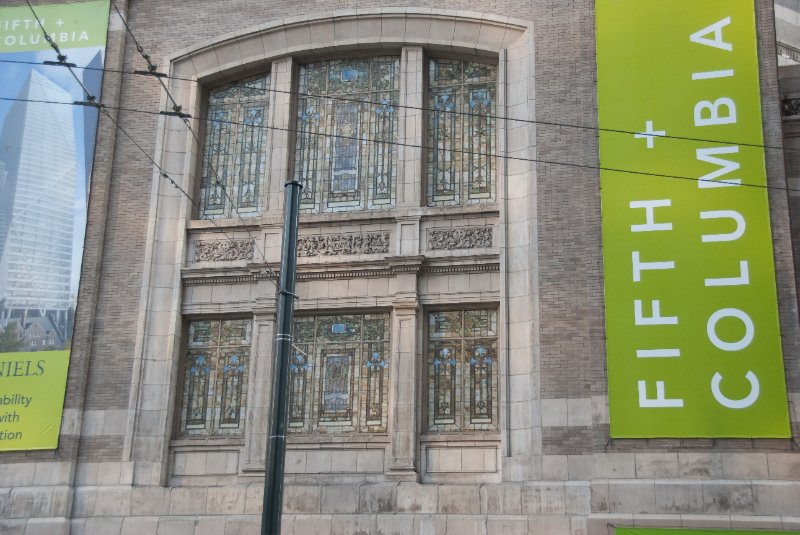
(338, 374)
(216, 367)
(462, 370)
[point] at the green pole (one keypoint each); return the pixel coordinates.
(276, 443)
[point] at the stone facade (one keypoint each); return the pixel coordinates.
(531, 254)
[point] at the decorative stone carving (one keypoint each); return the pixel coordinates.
(343, 244)
(223, 250)
(460, 238)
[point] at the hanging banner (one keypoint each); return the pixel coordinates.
(693, 339)
(46, 151)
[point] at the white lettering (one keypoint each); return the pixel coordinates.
(649, 206)
(749, 329)
(660, 400)
(708, 75)
(731, 236)
(707, 181)
(742, 280)
(714, 117)
(736, 403)
(657, 353)
(700, 38)
(639, 266)
(656, 319)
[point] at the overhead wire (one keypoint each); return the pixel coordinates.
(177, 110)
(91, 101)
(455, 150)
(162, 76)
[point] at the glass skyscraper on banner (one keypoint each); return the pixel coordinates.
(37, 202)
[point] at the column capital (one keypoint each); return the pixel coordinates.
(405, 304)
(405, 264)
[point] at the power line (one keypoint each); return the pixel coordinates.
(92, 102)
(461, 151)
(177, 110)
(162, 76)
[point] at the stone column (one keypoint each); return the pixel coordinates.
(403, 462)
(410, 128)
(281, 118)
(258, 393)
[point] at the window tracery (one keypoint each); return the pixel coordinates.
(338, 376)
(346, 152)
(215, 377)
(461, 132)
(462, 370)
(235, 152)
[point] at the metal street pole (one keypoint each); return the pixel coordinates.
(276, 443)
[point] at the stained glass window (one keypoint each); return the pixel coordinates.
(461, 132)
(234, 161)
(215, 377)
(462, 370)
(346, 152)
(338, 374)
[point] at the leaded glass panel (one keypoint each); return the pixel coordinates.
(461, 132)
(462, 370)
(339, 374)
(346, 152)
(215, 377)
(234, 161)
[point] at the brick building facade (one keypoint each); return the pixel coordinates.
(449, 373)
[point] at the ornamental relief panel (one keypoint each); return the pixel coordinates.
(343, 244)
(460, 238)
(223, 250)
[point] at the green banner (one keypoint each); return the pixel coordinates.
(670, 531)
(31, 396)
(69, 25)
(693, 338)
(46, 153)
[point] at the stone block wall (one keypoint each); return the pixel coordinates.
(550, 468)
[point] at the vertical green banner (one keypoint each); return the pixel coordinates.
(693, 338)
(46, 151)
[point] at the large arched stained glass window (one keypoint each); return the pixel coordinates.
(346, 152)
(461, 132)
(235, 152)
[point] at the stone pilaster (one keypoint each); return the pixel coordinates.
(403, 463)
(258, 394)
(410, 127)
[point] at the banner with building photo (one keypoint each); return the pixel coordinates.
(46, 151)
(693, 339)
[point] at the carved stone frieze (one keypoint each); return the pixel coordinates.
(343, 244)
(460, 238)
(223, 250)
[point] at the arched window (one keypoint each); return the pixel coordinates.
(346, 151)
(235, 151)
(461, 132)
